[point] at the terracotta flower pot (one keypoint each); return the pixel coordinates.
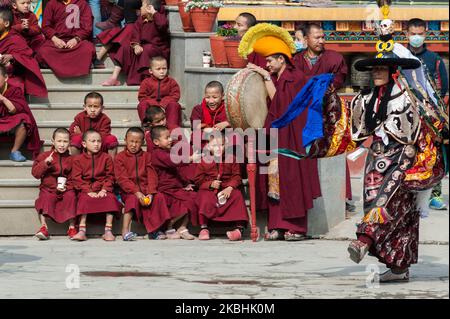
(218, 51)
(186, 19)
(203, 20)
(234, 60)
(171, 2)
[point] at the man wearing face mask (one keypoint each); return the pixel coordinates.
(435, 67)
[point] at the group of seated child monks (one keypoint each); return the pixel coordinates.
(82, 174)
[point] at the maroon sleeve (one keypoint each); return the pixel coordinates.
(144, 90)
(136, 33)
(174, 95)
(69, 183)
(34, 28)
(161, 22)
(162, 159)
(40, 167)
(120, 171)
(152, 176)
(235, 180)
(105, 125)
(76, 122)
(109, 171)
(201, 177)
(77, 176)
(196, 114)
(340, 70)
(48, 20)
(86, 18)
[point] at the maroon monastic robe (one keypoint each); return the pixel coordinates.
(92, 173)
(9, 122)
(164, 93)
(153, 36)
(135, 173)
(215, 116)
(299, 180)
(33, 35)
(329, 62)
(24, 72)
(257, 59)
(179, 201)
(61, 20)
(234, 210)
(60, 207)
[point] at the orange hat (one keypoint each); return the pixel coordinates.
(271, 45)
(266, 39)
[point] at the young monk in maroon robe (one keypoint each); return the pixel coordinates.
(155, 116)
(17, 120)
(298, 180)
(93, 118)
(150, 38)
(26, 24)
(138, 181)
(219, 197)
(116, 36)
(16, 55)
(317, 60)
(179, 198)
(57, 198)
(211, 114)
(67, 26)
(162, 90)
(243, 22)
(93, 177)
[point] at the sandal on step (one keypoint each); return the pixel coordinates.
(273, 235)
(204, 234)
(288, 236)
(172, 234)
(234, 235)
(111, 82)
(157, 235)
(130, 236)
(108, 235)
(184, 234)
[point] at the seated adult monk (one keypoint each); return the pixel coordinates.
(67, 26)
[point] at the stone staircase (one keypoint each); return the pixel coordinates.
(18, 188)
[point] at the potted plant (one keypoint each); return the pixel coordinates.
(218, 46)
(231, 49)
(185, 17)
(203, 13)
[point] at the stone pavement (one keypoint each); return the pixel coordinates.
(218, 268)
(215, 269)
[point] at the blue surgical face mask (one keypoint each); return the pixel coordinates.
(299, 46)
(416, 40)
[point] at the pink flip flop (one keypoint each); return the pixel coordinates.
(204, 234)
(234, 235)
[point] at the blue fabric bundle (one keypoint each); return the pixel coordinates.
(310, 96)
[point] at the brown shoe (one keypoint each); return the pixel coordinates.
(108, 235)
(185, 234)
(80, 236)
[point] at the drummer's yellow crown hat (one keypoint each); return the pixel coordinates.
(266, 39)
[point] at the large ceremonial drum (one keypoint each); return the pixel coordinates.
(246, 100)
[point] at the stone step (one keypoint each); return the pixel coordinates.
(19, 189)
(76, 93)
(61, 112)
(14, 170)
(119, 129)
(96, 77)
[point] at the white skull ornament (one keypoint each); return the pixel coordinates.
(386, 27)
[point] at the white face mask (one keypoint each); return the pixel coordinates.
(416, 40)
(300, 46)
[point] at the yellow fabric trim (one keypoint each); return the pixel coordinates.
(4, 35)
(340, 128)
(261, 30)
(6, 87)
